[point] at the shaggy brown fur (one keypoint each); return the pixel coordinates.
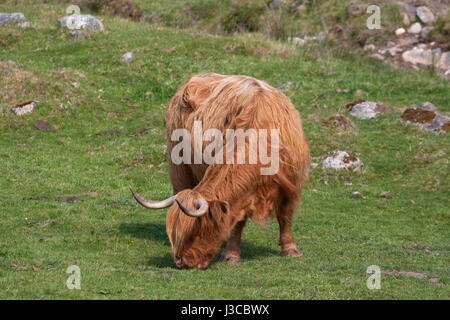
(233, 191)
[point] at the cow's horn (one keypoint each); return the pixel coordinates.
(150, 204)
(202, 205)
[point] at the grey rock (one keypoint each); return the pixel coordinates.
(422, 46)
(406, 21)
(286, 86)
(444, 61)
(438, 124)
(394, 50)
(377, 56)
(9, 18)
(400, 31)
(437, 53)
(81, 21)
(418, 56)
(407, 9)
(427, 118)
(367, 110)
(416, 28)
(425, 31)
(25, 107)
(339, 160)
(427, 106)
(425, 15)
(127, 57)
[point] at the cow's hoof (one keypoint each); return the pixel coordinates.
(230, 259)
(292, 253)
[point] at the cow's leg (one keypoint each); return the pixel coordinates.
(285, 215)
(232, 249)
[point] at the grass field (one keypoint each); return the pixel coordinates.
(122, 249)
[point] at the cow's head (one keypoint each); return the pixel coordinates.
(196, 227)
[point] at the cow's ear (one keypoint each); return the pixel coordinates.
(219, 209)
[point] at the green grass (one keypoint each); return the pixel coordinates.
(84, 89)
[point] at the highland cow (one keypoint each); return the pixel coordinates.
(212, 201)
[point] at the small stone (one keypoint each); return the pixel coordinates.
(428, 106)
(439, 124)
(415, 28)
(10, 18)
(407, 9)
(406, 21)
(24, 107)
(425, 15)
(394, 50)
(422, 46)
(444, 61)
(285, 86)
(425, 31)
(377, 56)
(340, 160)
(436, 53)
(127, 57)
(418, 56)
(400, 31)
(367, 110)
(81, 21)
